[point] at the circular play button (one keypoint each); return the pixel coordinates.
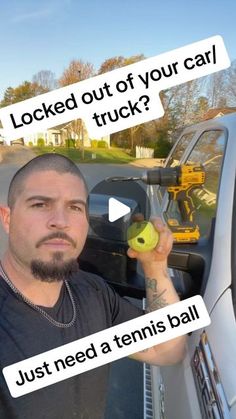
(116, 209)
(112, 206)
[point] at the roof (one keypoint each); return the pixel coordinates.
(61, 126)
(217, 112)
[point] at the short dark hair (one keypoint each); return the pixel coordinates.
(45, 162)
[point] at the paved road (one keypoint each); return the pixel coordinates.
(6, 173)
(126, 382)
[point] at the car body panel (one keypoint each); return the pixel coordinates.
(222, 339)
(182, 400)
(169, 398)
(223, 228)
(174, 388)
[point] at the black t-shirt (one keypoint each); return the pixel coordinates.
(25, 333)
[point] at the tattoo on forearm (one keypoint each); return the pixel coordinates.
(155, 301)
(151, 283)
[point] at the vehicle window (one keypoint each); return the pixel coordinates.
(176, 156)
(208, 151)
(233, 270)
(180, 149)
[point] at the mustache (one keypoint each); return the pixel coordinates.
(56, 235)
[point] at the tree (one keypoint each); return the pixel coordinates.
(222, 102)
(45, 79)
(8, 97)
(77, 127)
(117, 62)
(180, 103)
(216, 88)
(230, 80)
(22, 92)
(77, 71)
(109, 65)
(132, 132)
(133, 59)
(201, 108)
(162, 147)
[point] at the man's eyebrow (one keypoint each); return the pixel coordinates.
(39, 198)
(48, 199)
(77, 201)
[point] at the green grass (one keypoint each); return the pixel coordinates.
(103, 155)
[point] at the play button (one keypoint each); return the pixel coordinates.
(116, 209)
(112, 206)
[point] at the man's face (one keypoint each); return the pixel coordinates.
(48, 222)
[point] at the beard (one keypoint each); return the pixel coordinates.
(55, 270)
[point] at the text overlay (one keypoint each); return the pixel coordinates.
(118, 99)
(106, 346)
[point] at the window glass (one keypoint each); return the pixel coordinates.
(208, 151)
(56, 138)
(180, 149)
(175, 157)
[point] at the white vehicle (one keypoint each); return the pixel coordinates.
(204, 384)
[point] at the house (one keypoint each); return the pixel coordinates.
(217, 112)
(55, 136)
(3, 139)
(58, 135)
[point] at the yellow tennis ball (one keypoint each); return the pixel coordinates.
(142, 236)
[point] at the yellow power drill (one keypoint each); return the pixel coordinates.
(180, 182)
(190, 177)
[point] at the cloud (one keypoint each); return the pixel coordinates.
(31, 15)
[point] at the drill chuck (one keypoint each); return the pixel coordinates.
(164, 176)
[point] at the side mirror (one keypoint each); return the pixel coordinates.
(105, 251)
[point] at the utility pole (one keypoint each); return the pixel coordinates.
(81, 127)
(82, 137)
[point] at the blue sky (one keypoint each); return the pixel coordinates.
(48, 34)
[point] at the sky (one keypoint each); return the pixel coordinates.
(47, 35)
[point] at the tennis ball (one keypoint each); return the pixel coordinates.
(142, 236)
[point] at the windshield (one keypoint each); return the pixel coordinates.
(180, 149)
(208, 151)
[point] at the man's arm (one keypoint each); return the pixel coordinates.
(160, 292)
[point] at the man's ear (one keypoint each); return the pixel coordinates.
(5, 217)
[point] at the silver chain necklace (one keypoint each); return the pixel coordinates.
(39, 309)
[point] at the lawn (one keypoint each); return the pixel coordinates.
(91, 155)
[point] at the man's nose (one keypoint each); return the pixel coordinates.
(58, 219)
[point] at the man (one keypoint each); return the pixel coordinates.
(47, 301)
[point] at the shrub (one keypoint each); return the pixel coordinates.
(78, 143)
(149, 143)
(30, 144)
(40, 142)
(132, 152)
(102, 144)
(162, 148)
(70, 142)
(94, 143)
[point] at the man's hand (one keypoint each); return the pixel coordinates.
(160, 292)
(163, 248)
